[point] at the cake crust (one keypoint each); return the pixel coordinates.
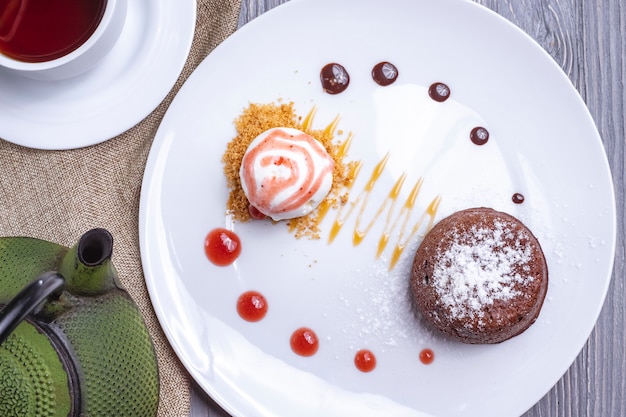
(479, 276)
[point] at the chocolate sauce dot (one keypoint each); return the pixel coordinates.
(518, 198)
(334, 78)
(439, 92)
(384, 73)
(479, 135)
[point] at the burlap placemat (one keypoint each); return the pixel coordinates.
(58, 195)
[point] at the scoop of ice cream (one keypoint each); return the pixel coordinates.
(286, 173)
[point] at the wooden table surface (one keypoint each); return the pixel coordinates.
(587, 38)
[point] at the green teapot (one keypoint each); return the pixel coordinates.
(72, 341)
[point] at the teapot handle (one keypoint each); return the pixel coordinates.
(27, 300)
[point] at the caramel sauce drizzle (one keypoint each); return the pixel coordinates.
(405, 233)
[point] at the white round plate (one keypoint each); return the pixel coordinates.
(113, 97)
(543, 144)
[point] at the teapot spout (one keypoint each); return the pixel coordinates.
(95, 247)
(87, 266)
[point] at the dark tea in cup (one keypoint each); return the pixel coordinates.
(44, 30)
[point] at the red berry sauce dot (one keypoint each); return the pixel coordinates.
(222, 246)
(479, 135)
(252, 306)
(427, 356)
(518, 198)
(304, 342)
(439, 92)
(365, 360)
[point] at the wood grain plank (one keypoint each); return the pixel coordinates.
(602, 87)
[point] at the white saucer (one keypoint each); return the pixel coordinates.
(130, 82)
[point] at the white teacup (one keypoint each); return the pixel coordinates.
(82, 59)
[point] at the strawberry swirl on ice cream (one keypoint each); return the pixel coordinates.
(286, 173)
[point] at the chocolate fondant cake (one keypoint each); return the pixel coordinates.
(479, 276)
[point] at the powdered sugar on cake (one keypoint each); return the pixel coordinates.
(481, 266)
